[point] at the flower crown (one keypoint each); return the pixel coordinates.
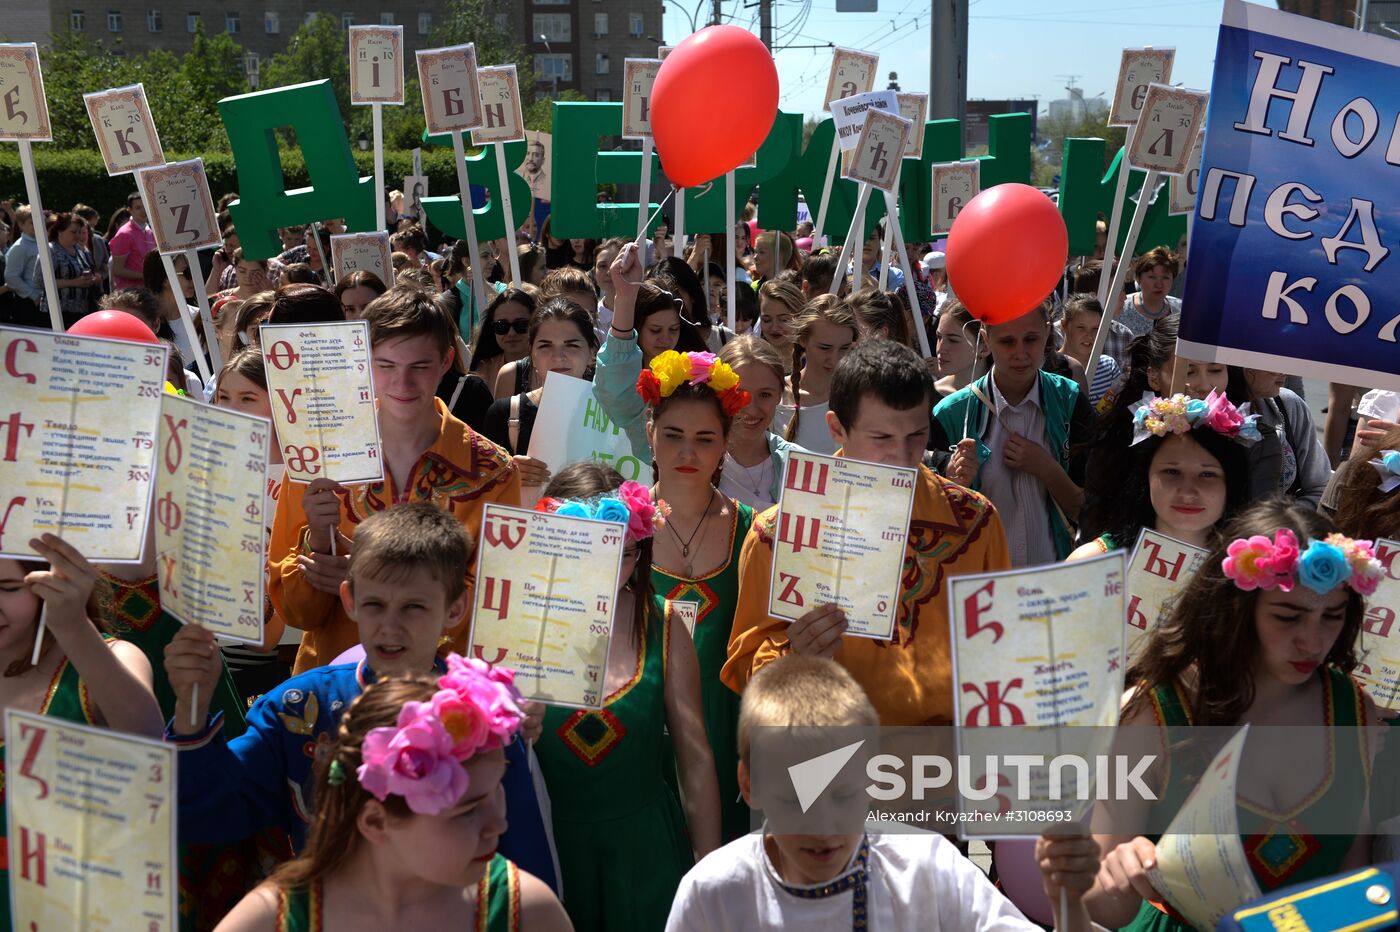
(1259, 563)
(670, 369)
(631, 505)
(1388, 465)
(477, 708)
(1158, 417)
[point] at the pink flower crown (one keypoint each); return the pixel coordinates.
(631, 505)
(1158, 417)
(1259, 563)
(476, 709)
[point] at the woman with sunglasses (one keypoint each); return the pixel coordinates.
(502, 336)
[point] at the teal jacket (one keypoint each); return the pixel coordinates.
(1068, 419)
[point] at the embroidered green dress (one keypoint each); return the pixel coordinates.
(66, 699)
(715, 596)
(618, 825)
(497, 903)
(1279, 848)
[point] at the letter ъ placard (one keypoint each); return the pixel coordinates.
(126, 132)
(877, 156)
(24, 111)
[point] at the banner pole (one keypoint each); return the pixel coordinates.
(459, 156)
(678, 236)
(826, 190)
(731, 239)
(206, 316)
(1120, 273)
(644, 201)
(1110, 245)
(902, 255)
(41, 235)
(377, 112)
(509, 215)
(845, 255)
(182, 311)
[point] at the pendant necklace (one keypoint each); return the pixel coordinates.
(685, 545)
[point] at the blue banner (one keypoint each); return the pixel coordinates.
(1290, 266)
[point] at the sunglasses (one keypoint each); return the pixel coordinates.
(502, 327)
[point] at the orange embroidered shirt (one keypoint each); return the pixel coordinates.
(459, 473)
(909, 679)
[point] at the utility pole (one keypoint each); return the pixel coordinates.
(765, 23)
(948, 61)
(717, 15)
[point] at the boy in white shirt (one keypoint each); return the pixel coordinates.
(858, 881)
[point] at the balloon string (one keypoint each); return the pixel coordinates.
(641, 237)
(976, 348)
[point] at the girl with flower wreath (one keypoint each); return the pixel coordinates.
(624, 839)
(824, 333)
(409, 811)
(1264, 634)
(1186, 473)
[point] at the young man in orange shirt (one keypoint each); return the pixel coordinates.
(881, 394)
(429, 456)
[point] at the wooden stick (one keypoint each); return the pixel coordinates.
(857, 237)
(41, 239)
(885, 246)
(507, 213)
(826, 190)
(182, 312)
(731, 240)
(377, 111)
(43, 616)
(902, 256)
(678, 235)
(644, 201)
(478, 278)
(1115, 219)
(845, 255)
(1120, 274)
(206, 316)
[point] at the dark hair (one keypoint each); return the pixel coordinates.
(359, 279)
(299, 273)
(137, 301)
(587, 480)
(1128, 498)
(566, 311)
(819, 269)
(1158, 255)
(118, 219)
(1212, 631)
(333, 836)
(1363, 510)
(98, 604)
(60, 222)
(877, 315)
(682, 280)
(392, 543)
(529, 255)
(1114, 430)
(1081, 303)
(745, 301)
(484, 344)
(402, 313)
(1084, 278)
(891, 372)
(132, 198)
(824, 309)
(305, 304)
(655, 296)
(251, 309)
(247, 362)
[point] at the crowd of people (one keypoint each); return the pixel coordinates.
(356, 770)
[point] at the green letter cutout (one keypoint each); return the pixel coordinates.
(264, 203)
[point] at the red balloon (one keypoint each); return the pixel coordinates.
(713, 103)
(1006, 252)
(115, 325)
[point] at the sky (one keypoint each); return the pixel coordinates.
(1016, 48)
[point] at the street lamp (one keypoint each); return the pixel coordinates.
(363, 141)
(554, 68)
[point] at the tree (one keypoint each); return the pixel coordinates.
(318, 49)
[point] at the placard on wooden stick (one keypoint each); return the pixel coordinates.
(876, 158)
(914, 108)
(1185, 185)
(501, 121)
(1168, 127)
(638, 75)
(954, 185)
(376, 65)
(179, 205)
(1138, 69)
(24, 111)
(852, 73)
(451, 96)
(126, 132)
(363, 252)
